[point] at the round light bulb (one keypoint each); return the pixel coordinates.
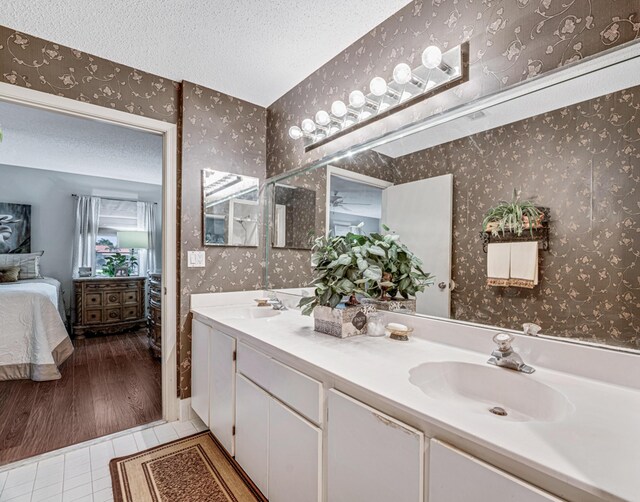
(378, 86)
(432, 57)
(323, 118)
(357, 99)
(295, 132)
(402, 74)
(339, 109)
(308, 126)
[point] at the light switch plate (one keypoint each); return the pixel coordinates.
(195, 259)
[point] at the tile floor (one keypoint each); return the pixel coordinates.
(82, 473)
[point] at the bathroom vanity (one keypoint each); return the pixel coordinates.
(311, 417)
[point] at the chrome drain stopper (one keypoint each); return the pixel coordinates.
(497, 410)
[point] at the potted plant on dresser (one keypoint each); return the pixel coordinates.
(373, 267)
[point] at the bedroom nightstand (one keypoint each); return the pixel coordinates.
(106, 305)
(155, 314)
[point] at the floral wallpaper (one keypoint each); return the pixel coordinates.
(580, 161)
(215, 131)
(48, 67)
(509, 41)
(227, 134)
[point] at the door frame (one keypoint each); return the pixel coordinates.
(350, 175)
(169, 132)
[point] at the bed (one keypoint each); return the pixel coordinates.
(33, 338)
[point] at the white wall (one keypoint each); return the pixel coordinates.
(52, 218)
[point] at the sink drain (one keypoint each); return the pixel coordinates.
(497, 410)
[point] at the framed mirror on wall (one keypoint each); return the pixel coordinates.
(568, 143)
(230, 209)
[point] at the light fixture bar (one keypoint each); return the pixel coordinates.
(439, 71)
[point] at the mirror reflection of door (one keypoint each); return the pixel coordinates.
(420, 212)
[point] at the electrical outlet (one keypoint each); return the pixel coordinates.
(195, 259)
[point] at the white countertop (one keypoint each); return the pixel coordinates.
(595, 448)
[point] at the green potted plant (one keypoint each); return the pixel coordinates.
(336, 272)
(512, 216)
(375, 267)
(396, 275)
(117, 263)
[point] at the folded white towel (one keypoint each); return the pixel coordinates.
(498, 263)
(524, 263)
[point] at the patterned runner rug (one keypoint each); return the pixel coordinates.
(193, 469)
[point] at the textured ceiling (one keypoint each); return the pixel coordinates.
(56, 142)
(255, 50)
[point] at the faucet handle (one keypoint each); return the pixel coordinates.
(503, 340)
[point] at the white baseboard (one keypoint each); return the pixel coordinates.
(185, 411)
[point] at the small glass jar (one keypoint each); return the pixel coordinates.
(375, 324)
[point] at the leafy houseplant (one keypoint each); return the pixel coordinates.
(336, 272)
(374, 266)
(401, 270)
(514, 216)
(117, 261)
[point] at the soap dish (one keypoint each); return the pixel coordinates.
(399, 334)
(262, 302)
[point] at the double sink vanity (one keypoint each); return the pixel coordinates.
(311, 417)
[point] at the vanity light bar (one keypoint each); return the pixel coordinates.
(437, 70)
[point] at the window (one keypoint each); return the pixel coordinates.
(115, 216)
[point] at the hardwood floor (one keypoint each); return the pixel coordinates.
(109, 384)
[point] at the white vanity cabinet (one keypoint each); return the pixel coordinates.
(213, 380)
(279, 448)
(222, 390)
(252, 431)
(200, 335)
(371, 456)
(448, 467)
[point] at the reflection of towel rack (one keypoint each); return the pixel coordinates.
(540, 234)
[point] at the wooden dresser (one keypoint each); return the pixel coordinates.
(155, 314)
(105, 305)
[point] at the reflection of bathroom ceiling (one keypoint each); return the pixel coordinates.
(252, 50)
(535, 103)
(358, 199)
(220, 186)
(53, 141)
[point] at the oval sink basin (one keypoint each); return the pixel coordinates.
(480, 389)
(250, 313)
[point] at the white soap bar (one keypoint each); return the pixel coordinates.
(396, 326)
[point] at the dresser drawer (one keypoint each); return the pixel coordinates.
(93, 299)
(300, 392)
(112, 298)
(130, 297)
(130, 312)
(112, 314)
(93, 316)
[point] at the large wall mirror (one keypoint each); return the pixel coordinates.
(571, 144)
(230, 209)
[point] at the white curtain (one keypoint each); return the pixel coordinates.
(147, 222)
(87, 213)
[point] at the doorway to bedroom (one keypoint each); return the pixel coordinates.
(81, 279)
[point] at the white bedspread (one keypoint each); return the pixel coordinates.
(33, 338)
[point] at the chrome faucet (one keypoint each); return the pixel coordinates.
(277, 304)
(505, 357)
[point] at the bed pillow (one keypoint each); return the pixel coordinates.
(9, 274)
(29, 264)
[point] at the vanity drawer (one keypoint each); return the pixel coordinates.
(254, 365)
(300, 392)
